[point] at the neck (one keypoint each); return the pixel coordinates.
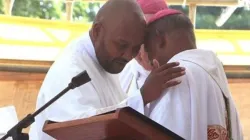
(180, 47)
(181, 42)
(177, 47)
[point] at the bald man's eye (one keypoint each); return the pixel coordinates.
(120, 45)
(123, 46)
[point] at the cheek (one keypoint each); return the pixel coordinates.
(101, 51)
(111, 50)
(108, 49)
(104, 50)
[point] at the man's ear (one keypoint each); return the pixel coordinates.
(96, 29)
(161, 39)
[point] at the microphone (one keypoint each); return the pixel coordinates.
(16, 131)
(79, 80)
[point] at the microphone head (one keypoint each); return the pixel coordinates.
(79, 79)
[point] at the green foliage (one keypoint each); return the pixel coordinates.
(36, 9)
(80, 12)
(1, 7)
(239, 20)
(93, 8)
(84, 11)
(206, 18)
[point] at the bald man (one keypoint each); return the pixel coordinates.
(115, 37)
(201, 106)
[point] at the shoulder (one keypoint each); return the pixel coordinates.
(67, 64)
(192, 73)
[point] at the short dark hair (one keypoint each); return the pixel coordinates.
(170, 24)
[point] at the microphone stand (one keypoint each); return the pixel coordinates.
(16, 131)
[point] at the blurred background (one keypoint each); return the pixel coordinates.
(34, 32)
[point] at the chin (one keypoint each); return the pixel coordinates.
(114, 70)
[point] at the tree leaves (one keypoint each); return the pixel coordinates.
(1, 7)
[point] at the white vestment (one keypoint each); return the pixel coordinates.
(133, 77)
(103, 93)
(195, 109)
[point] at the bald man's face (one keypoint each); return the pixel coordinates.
(117, 43)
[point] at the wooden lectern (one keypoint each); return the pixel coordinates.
(122, 124)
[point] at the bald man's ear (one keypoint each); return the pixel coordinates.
(96, 29)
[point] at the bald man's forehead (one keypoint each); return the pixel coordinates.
(129, 32)
(125, 21)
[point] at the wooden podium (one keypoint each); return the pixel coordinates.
(122, 124)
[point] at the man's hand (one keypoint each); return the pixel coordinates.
(160, 78)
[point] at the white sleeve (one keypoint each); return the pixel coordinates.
(78, 103)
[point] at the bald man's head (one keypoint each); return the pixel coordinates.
(117, 33)
(120, 9)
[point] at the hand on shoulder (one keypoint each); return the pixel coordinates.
(160, 78)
